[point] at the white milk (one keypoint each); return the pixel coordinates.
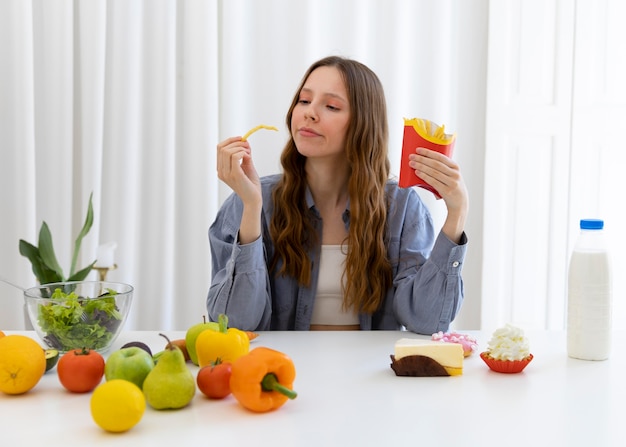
(589, 305)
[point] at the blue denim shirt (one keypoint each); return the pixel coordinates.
(427, 289)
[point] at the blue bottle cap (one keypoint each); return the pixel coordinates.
(591, 224)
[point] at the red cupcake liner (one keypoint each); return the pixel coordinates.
(505, 366)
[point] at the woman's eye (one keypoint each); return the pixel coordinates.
(303, 101)
(331, 107)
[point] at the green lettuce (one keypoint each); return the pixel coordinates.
(71, 322)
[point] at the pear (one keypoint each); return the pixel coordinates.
(170, 384)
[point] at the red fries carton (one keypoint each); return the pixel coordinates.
(422, 133)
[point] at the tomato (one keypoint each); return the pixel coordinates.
(80, 370)
(214, 380)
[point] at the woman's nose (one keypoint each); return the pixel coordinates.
(310, 113)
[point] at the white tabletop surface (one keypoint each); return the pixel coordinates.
(348, 395)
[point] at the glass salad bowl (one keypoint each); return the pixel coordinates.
(81, 314)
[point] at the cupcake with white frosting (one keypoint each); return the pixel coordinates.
(508, 351)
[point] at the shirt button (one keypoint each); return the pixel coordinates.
(455, 264)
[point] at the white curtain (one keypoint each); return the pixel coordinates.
(128, 98)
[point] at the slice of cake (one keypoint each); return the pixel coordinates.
(417, 357)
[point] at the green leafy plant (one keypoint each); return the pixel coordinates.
(44, 261)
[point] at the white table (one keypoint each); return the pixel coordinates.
(348, 395)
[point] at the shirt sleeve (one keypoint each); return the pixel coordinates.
(428, 282)
(240, 283)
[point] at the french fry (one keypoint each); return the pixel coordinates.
(430, 130)
(254, 129)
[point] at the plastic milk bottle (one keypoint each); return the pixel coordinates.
(589, 295)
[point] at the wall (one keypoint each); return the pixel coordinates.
(556, 98)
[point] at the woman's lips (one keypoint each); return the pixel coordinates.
(307, 132)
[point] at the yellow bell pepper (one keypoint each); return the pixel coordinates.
(224, 345)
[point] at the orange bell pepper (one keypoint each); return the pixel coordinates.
(262, 380)
(226, 344)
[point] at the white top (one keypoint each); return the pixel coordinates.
(328, 309)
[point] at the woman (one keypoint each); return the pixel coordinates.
(332, 242)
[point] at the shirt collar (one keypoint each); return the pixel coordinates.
(310, 203)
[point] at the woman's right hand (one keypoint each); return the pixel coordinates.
(236, 169)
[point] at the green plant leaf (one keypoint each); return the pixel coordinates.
(82, 274)
(43, 274)
(46, 250)
(79, 239)
(43, 260)
(31, 252)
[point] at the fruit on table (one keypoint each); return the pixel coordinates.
(117, 405)
(22, 363)
(261, 381)
(2, 334)
(192, 334)
(52, 357)
(225, 345)
(157, 356)
(182, 344)
(170, 384)
(251, 335)
(80, 370)
(214, 380)
(138, 344)
(132, 364)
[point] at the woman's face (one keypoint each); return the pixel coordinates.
(320, 119)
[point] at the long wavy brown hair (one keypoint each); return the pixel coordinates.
(367, 267)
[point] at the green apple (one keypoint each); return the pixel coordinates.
(156, 356)
(138, 344)
(132, 364)
(192, 335)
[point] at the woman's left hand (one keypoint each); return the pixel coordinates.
(443, 174)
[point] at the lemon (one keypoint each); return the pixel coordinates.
(117, 405)
(52, 357)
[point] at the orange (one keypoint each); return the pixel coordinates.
(22, 363)
(2, 334)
